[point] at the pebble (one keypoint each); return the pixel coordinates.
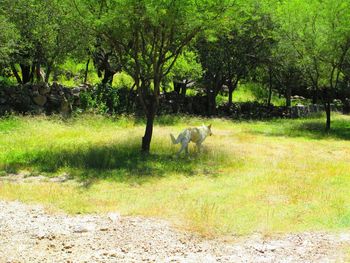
(83, 228)
(114, 217)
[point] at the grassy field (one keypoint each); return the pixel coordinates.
(271, 177)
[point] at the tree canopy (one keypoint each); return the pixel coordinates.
(288, 47)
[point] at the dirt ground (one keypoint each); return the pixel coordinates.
(28, 233)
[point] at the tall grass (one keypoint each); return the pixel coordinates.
(276, 176)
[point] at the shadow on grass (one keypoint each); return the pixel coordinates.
(339, 130)
(119, 162)
(312, 129)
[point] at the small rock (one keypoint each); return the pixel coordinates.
(344, 237)
(66, 107)
(44, 89)
(68, 246)
(59, 179)
(114, 217)
(40, 100)
(40, 235)
(83, 228)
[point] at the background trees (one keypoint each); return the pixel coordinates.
(48, 34)
(291, 48)
(8, 37)
(149, 37)
(232, 54)
(186, 70)
(319, 33)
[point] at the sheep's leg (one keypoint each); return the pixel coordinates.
(184, 146)
(199, 147)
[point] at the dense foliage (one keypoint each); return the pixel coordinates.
(289, 48)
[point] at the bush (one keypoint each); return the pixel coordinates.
(106, 99)
(5, 82)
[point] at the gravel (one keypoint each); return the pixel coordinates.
(29, 234)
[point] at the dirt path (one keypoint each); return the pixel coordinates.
(29, 234)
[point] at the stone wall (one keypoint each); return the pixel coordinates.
(43, 98)
(299, 110)
(197, 105)
(39, 98)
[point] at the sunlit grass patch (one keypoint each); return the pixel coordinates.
(92, 146)
(276, 176)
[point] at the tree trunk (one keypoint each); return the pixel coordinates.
(314, 96)
(146, 139)
(129, 101)
(151, 109)
(269, 97)
(270, 89)
(25, 69)
(183, 90)
(48, 73)
(55, 74)
(231, 88)
(327, 105)
(328, 115)
(230, 91)
(86, 71)
(211, 102)
(32, 71)
(108, 77)
(177, 87)
(15, 72)
(39, 77)
(288, 96)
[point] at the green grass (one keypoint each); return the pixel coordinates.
(243, 93)
(251, 92)
(77, 72)
(271, 177)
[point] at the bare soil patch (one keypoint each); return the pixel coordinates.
(28, 233)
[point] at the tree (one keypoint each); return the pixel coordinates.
(211, 54)
(106, 61)
(233, 53)
(47, 35)
(319, 32)
(282, 73)
(150, 36)
(8, 36)
(185, 71)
